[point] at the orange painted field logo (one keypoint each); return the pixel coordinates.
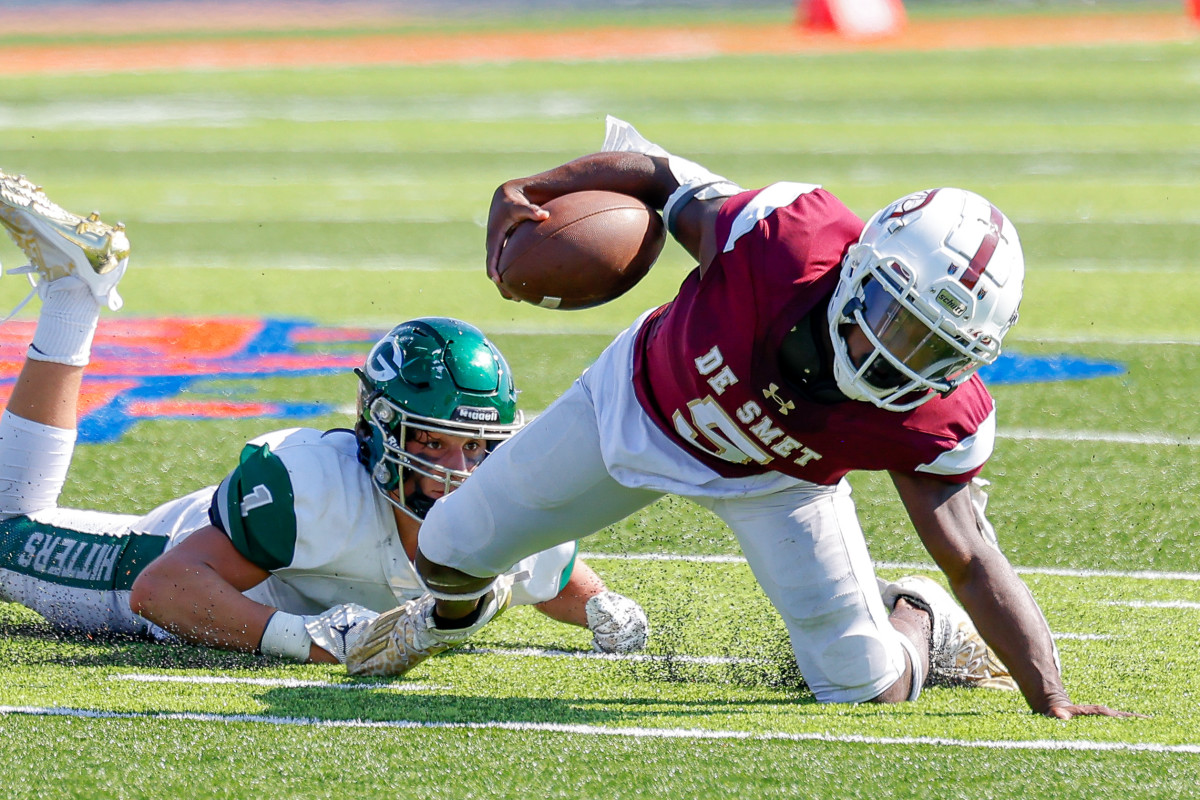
(165, 368)
(200, 368)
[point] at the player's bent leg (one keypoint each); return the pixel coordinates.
(545, 486)
(808, 553)
(37, 429)
(34, 459)
(913, 625)
(958, 656)
(76, 264)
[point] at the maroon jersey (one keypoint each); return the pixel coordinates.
(706, 365)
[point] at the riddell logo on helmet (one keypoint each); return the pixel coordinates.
(475, 414)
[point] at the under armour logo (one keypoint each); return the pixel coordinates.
(784, 405)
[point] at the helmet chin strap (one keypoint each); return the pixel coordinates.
(418, 502)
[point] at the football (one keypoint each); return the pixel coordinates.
(594, 247)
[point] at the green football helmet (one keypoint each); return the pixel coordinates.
(432, 374)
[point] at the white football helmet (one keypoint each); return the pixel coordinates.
(934, 283)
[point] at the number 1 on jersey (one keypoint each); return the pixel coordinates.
(259, 496)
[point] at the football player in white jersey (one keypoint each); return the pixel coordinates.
(308, 537)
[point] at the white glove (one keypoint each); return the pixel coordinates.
(618, 624)
(338, 628)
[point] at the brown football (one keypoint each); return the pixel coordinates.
(594, 247)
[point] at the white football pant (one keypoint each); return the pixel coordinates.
(552, 482)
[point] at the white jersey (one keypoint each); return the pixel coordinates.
(302, 506)
(299, 505)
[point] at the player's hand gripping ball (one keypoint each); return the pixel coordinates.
(594, 247)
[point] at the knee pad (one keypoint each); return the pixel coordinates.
(859, 661)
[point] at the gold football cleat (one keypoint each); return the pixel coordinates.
(59, 243)
(958, 656)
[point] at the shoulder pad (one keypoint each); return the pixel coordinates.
(256, 504)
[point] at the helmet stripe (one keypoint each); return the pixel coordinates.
(986, 249)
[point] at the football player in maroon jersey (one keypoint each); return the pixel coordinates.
(805, 345)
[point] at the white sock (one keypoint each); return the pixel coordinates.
(66, 324)
(34, 459)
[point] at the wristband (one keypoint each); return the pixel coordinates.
(286, 636)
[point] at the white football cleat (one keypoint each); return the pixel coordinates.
(958, 656)
(402, 638)
(59, 243)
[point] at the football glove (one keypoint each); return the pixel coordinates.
(338, 628)
(618, 624)
(402, 638)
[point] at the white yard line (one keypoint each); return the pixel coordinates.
(1151, 604)
(286, 683)
(698, 734)
(1064, 572)
(537, 652)
(1130, 341)
(909, 566)
(1083, 637)
(1111, 437)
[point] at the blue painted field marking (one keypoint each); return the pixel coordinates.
(163, 368)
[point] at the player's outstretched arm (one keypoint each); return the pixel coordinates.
(570, 604)
(994, 596)
(618, 624)
(194, 590)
